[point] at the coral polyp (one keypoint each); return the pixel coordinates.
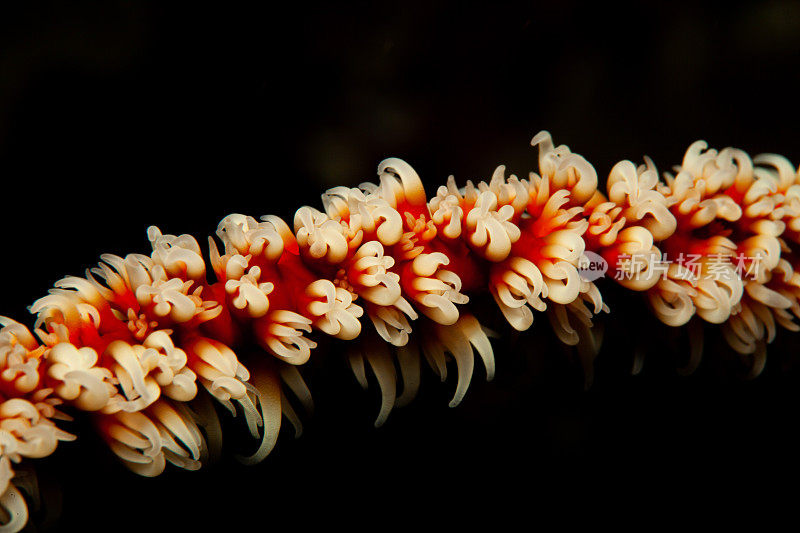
(142, 344)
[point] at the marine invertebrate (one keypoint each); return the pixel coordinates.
(141, 343)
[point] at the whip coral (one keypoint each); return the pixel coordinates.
(142, 343)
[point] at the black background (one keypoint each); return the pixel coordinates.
(115, 116)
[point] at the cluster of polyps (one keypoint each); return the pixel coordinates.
(142, 342)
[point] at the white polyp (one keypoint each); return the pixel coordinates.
(333, 307)
(245, 289)
(564, 245)
(712, 301)
(447, 213)
(438, 308)
(383, 367)
(410, 189)
(378, 285)
(740, 162)
(288, 411)
(548, 155)
(765, 316)
(27, 429)
(320, 236)
(764, 247)
(285, 336)
(408, 361)
(511, 191)
(429, 285)
(766, 296)
(564, 169)
(140, 273)
(519, 317)
(232, 231)
(433, 351)
(235, 266)
(168, 298)
(692, 159)
(562, 281)
(221, 374)
(636, 188)
(20, 367)
(269, 402)
(115, 278)
(13, 504)
(425, 265)
(217, 355)
(521, 284)
(133, 364)
(356, 360)
(783, 172)
(365, 210)
(559, 320)
(758, 189)
(56, 307)
(707, 211)
(579, 175)
(389, 224)
(6, 472)
(179, 255)
(83, 287)
(12, 333)
(458, 340)
(291, 377)
(391, 322)
(136, 440)
(245, 235)
(82, 382)
(491, 228)
(671, 298)
(174, 425)
(176, 380)
(478, 338)
(335, 202)
(280, 227)
(249, 404)
(605, 222)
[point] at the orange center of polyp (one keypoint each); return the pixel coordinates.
(685, 248)
(422, 228)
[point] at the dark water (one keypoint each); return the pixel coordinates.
(115, 116)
